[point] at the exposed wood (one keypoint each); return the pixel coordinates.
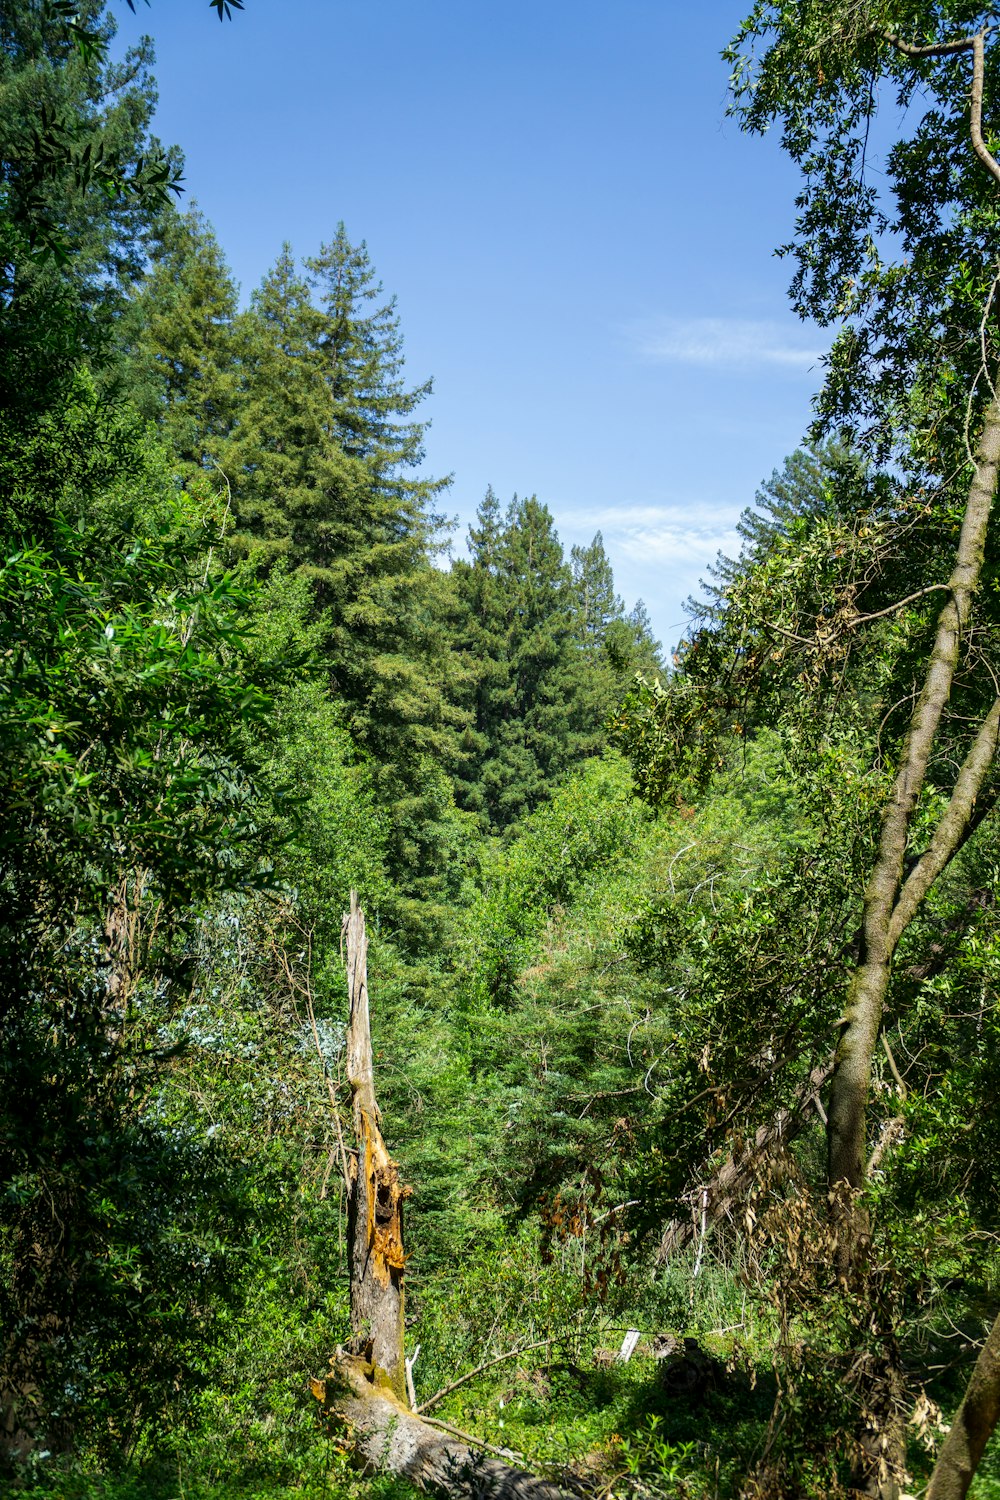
(375, 1201)
(365, 1393)
(386, 1437)
(411, 1389)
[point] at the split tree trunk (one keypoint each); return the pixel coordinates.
(365, 1391)
(375, 1204)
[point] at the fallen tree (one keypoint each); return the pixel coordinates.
(721, 1193)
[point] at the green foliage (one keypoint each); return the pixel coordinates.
(583, 1004)
(548, 651)
(80, 188)
(590, 827)
(121, 709)
(126, 803)
(319, 465)
(902, 261)
(183, 371)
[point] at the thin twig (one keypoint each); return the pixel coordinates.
(488, 1364)
(892, 1064)
(467, 1437)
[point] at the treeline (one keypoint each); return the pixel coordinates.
(479, 683)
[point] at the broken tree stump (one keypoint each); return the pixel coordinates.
(364, 1393)
(375, 1202)
(387, 1437)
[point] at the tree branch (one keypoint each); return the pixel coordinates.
(977, 46)
(487, 1365)
(960, 818)
(971, 1426)
(987, 158)
(932, 49)
(886, 913)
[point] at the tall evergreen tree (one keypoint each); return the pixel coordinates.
(532, 710)
(184, 368)
(320, 466)
(295, 492)
(617, 645)
(597, 604)
(81, 187)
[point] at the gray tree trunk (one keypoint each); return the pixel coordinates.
(891, 903)
(971, 1426)
(386, 1436)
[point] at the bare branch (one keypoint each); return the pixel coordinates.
(488, 1364)
(880, 614)
(933, 49)
(987, 158)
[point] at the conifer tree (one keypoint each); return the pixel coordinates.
(320, 466)
(532, 711)
(617, 645)
(597, 604)
(185, 373)
(295, 491)
(479, 587)
(81, 188)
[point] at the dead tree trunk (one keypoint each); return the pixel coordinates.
(375, 1204)
(386, 1436)
(365, 1391)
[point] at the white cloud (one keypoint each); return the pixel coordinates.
(674, 534)
(659, 552)
(739, 343)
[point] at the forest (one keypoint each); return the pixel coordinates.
(341, 872)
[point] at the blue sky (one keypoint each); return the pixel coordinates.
(580, 242)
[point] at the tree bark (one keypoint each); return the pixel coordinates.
(386, 1436)
(885, 892)
(375, 1202)
(971, 1426)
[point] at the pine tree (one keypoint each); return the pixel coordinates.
(597, 604)
(184, 367)
(81, 188)
(617, 645)
(825, 477)
(531, 712)
(296, 494)
(320, 467)
(479, 588)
